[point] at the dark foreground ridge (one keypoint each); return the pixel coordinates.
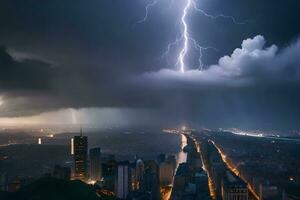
(54, 189)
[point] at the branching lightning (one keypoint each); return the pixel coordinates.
(185, 41)
(147, 10)
(214, 17)
(185, 47)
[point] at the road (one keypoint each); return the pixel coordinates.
(211, 186)
(234, 169)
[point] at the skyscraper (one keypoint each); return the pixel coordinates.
(95, 164)
(139, 171)
(123, 180)
(233, 187)
(80, 157)
(150, 184)
(109, 172)
(166, 173)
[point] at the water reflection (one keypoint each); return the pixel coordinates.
(181, 156)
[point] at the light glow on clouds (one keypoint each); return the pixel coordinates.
(243, 67)
(98, 117)
(252, 63)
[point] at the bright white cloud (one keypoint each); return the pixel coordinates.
(253, 61)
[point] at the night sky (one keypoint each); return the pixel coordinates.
(94, 58)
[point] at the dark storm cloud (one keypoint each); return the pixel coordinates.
(27, 74)
(276, 20)
(92, 53)
(256, 86)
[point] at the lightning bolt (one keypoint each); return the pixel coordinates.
(185, 47)
(184, 41)
(187, 39)
(147, 10)
(214, 17)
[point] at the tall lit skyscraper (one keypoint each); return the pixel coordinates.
(95, 164)
(123, 180)
(72, 146)
(80, 157)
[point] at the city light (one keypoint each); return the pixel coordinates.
(211, 186)
(72, 146)
(234, 169)
(166, 192)
(91, 182)
(50, 136)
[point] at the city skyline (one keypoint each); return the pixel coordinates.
(150, 100)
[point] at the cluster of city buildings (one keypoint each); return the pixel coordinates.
(217, 167)
(272, 172)
(191, 181)
(139, 179)
(15, 184)
(225, 185)
(143, 179)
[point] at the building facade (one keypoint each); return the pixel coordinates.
(95, 164)
(80, 157)
(123, 184)
(166, 173)
(233, 187)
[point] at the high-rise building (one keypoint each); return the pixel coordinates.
(134, 182)
(166, 173)
(201, 180)
(150, 180)
(109, 172)
(123, 180)
(80, 157)
(233, 187)
(172, 159)
(140, 167)
(181, 179)
(152, 166)
(150, 184)
(95, 164)
(268, 191)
